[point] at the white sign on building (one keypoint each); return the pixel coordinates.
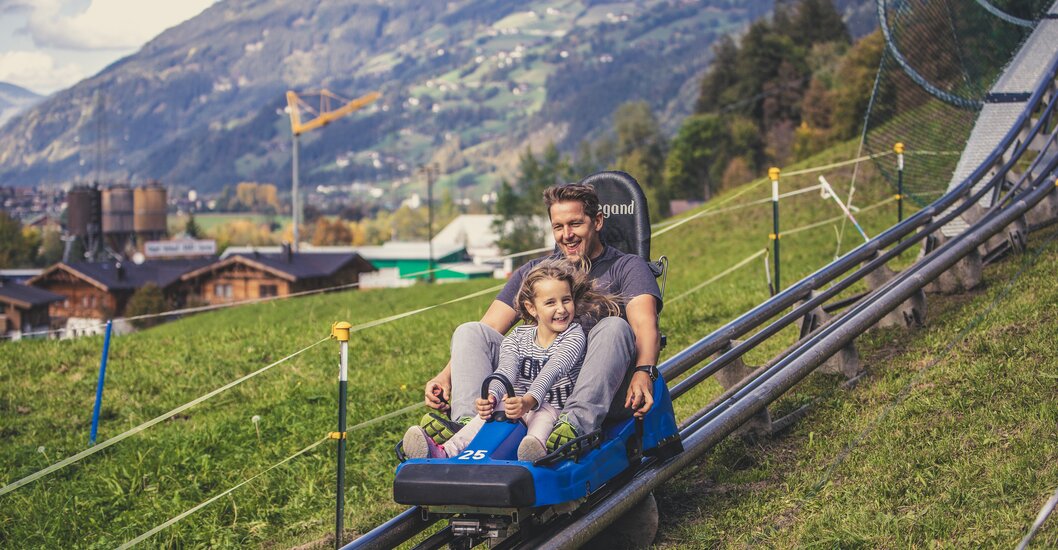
(185, 247)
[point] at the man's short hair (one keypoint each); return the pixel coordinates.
(583, 193)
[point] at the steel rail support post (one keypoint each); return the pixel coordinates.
(340, 332)
(898, 148)
(100, 383)
(773, 173)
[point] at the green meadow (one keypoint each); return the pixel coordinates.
(903, 492)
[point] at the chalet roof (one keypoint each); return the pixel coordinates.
(127, 275)
(299, 265)
(251, 250)
(26, 296)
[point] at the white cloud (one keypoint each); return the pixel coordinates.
(37, 71)
(104, 24)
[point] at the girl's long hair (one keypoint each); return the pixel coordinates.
(587, 299)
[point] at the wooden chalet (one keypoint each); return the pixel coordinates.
(101, 290)
(251, 275)
(24, 309)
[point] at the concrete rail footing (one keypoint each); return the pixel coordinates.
(845, 362)
(965, 275)
(1011, 238)
(1045, 213)
(911, 313)
(635, 529)
(729, 377)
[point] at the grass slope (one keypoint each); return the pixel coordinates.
(46, 391)
(948, 442)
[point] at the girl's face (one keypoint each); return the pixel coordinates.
(552, 305)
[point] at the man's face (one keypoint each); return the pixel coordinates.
(576, 233)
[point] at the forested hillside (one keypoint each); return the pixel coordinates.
(465, 84)
(792, 85)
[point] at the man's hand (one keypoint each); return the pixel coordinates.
(640, 398)
(516, 407)
(485, 406)
(439, 392)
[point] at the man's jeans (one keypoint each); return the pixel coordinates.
(600, 388)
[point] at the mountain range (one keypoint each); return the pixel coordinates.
(465, 84)
(14, 99)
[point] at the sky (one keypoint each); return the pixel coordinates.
(49, 45)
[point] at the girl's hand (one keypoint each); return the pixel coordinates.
(486, 406)
(516, 407)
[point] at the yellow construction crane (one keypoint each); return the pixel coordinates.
(325, 113)
(331, 107)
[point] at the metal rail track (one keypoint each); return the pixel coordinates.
(704, 429)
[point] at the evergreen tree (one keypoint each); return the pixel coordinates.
(514, 226)
(718, 85)
(816, 22)
(191, 228)
(584, 163)
(761, 71)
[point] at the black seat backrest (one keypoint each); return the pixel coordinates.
(626, 224)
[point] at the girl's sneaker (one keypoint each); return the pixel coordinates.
(531, 449)
(440, 428)
(417, 444)
(562, 433)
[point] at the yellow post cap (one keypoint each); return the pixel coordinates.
(898, 148)
(340, 331)
(773, 173)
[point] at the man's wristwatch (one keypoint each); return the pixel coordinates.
(651, 370)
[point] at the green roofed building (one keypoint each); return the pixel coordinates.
(412, 260)
(398, 263)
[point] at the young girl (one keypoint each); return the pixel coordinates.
(541, 358)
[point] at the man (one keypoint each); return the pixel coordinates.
(621, 352)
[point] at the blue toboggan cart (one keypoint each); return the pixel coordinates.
(486, 492)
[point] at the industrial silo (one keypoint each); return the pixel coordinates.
(84, 217)
(118, 216)
(149, 203)
(84, 212)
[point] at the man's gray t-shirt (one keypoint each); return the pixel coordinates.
(625, 275)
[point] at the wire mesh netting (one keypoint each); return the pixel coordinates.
(942, 58)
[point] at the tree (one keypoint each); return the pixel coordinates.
(783, 95)
(703, 149)
(736, 173)
(514, 226)
(15, 251)
(718, 85)
(641, 152)
(147, 300)
(332, 232)
(584, 162)
(51, 247)
(699, 146)
(191, 228)
(855, 83)
(409, 224)
(816, 22)
(760, 58)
